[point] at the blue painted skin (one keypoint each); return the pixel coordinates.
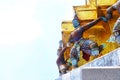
(74, 62)
(75, 23)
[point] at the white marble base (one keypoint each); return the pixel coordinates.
(104, 73)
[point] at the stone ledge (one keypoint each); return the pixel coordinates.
(102, 73)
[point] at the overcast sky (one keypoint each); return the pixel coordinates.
(29, 34)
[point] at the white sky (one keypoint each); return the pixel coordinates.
(29, 34)
(17, 23)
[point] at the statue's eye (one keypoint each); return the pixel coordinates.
(93, 46)
(116, 33)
